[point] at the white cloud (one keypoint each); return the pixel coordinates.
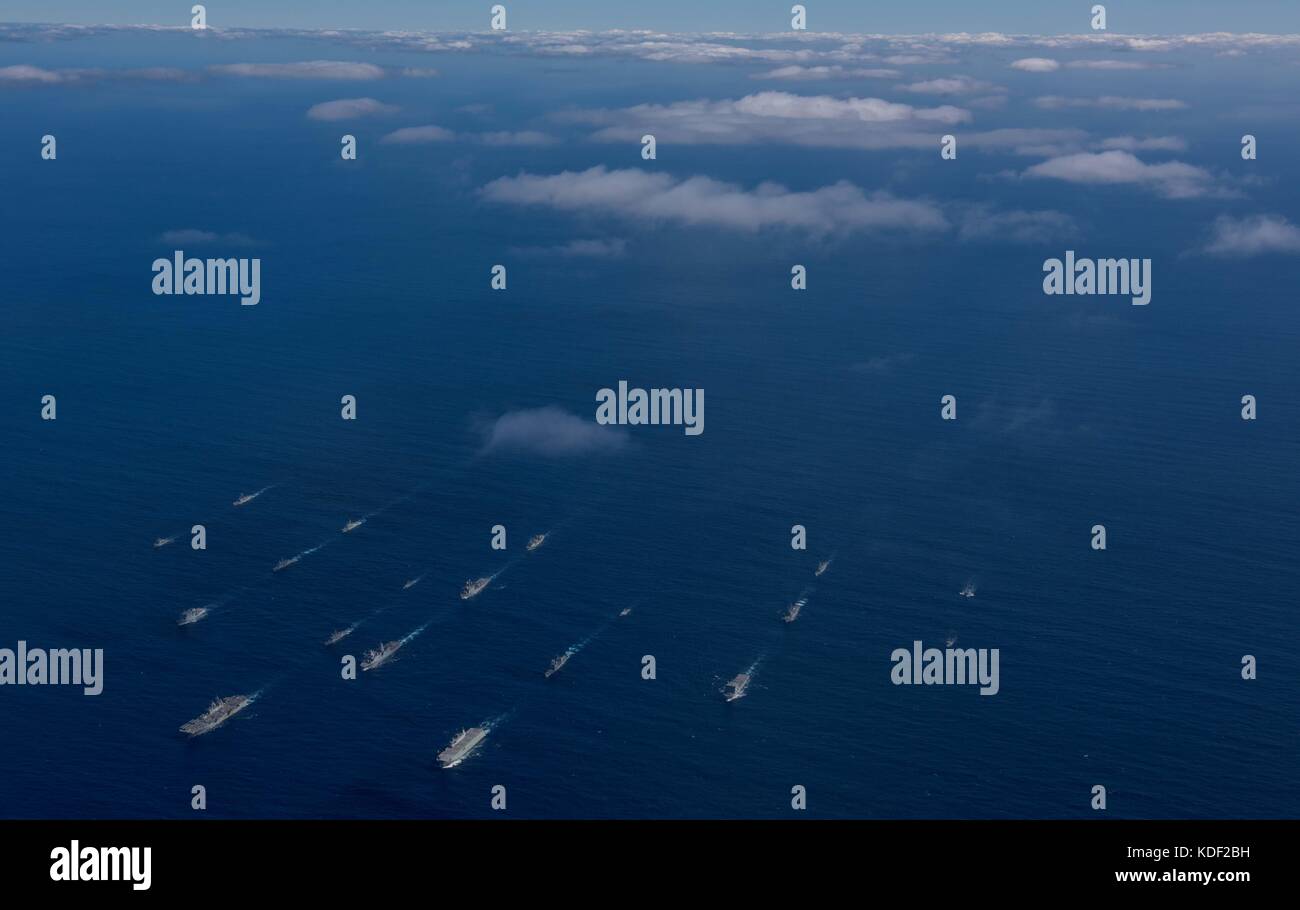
(1149, 144)
(310, 69)
(703, 201)
(30, 74)
(797, 73)
(781, 117)
(1111, 102)
(24, 74)
(1113, 65)
(950, 85)
(1036, 65)
(552, 432)
(349, 109)
(523, 137)
(1253, 235)
(613, 248)
(418, 135)
(1173, 179)
(980, 223)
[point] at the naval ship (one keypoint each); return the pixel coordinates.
(353, 524)
(536, 541)
(968, 591)
(284, 564)
(736, 687)
(558, 664)
(192, 616)
(245, 497)
(822, 567)
(380, 656)
(217, 714)
(474, 587)
(793, 612)
(337, 635)
(162, 542)
(465, 742)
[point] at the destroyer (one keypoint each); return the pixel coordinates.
(465, 742)
(793, 612)
(217, 714)
(968, 591)
(245, 498)
(822, 567)
(536, 541)
(412, 583)
(736, 687)
(193, 615)
(353, 524)
(162, 542)
(558, 664)
(284, 564)
(337, 635)
(380, 656)
(473, 588)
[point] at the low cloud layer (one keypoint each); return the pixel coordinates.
(1111, 102)
(702, 201)
(1172, 179)
(310, 69)
(1253, 235)
(350, 109)
(551, 432)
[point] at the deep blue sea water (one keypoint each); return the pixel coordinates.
(1119, 668)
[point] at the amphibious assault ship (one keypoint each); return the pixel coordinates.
(474, 587)
(736, 687)
(380, 656)
(465, 742)
(220, 711)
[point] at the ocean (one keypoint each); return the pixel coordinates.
(1119, 668)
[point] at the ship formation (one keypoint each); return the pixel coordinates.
(377, 657)
(220, 711)
(464, 742)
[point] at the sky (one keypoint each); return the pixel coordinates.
(918, 16)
